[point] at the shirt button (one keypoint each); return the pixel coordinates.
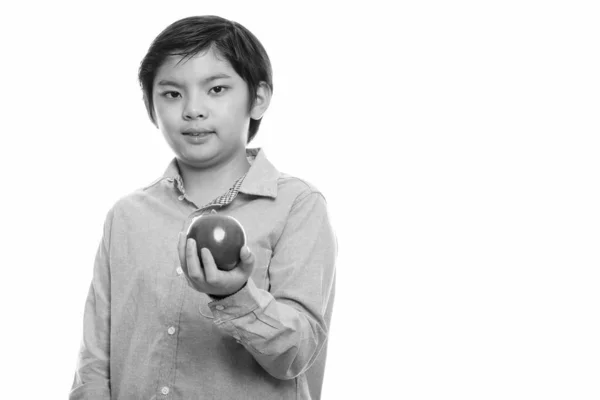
(179, 270)
(165, 390)
(220, 307)
(171, 330)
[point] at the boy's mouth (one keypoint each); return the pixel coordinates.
(197, 132)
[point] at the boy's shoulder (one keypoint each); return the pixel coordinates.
(135, 199)
(296, 187)
(290, 182)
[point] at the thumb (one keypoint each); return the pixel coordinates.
(247, 257)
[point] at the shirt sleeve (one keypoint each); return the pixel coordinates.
(286, 327)
(92, 375)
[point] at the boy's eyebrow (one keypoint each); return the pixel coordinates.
(166, 82)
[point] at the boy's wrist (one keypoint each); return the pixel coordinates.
(221, 297)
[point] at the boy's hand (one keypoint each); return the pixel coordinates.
(210, 279)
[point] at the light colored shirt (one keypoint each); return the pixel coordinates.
(148, 335)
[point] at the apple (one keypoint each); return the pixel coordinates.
(223, 235)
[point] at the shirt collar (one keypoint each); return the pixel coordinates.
(260, 180)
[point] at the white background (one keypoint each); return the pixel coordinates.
(456, 142)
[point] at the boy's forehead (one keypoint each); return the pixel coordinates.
(199, 66)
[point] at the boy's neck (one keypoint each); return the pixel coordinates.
(217, 178)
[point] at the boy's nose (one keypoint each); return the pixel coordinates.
(194, 110)
(192, 114)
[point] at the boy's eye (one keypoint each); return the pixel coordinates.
(218, 89)
(171, 95)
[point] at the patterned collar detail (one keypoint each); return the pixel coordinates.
(260, 180)
(228, 197)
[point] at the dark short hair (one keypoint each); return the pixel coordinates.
(190, 36)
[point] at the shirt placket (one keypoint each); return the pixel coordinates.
(178, 288)
(171, 329)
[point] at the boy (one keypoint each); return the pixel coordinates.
(162, 321)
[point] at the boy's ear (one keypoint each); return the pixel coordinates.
(262, 101)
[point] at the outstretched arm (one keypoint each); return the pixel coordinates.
(286, 327)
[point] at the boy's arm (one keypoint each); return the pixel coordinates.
(92, 375)
(286, 327)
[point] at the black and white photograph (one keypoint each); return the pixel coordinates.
(301, 200)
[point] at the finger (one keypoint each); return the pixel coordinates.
(247, 260)
(181, 250)
(193, 263)
(210, 267)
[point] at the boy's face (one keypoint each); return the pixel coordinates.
(201, 107)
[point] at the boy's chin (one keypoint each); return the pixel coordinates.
(207, 154)
(200, 158)
(198, 161)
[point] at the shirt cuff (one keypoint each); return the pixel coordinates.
(244, 301)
